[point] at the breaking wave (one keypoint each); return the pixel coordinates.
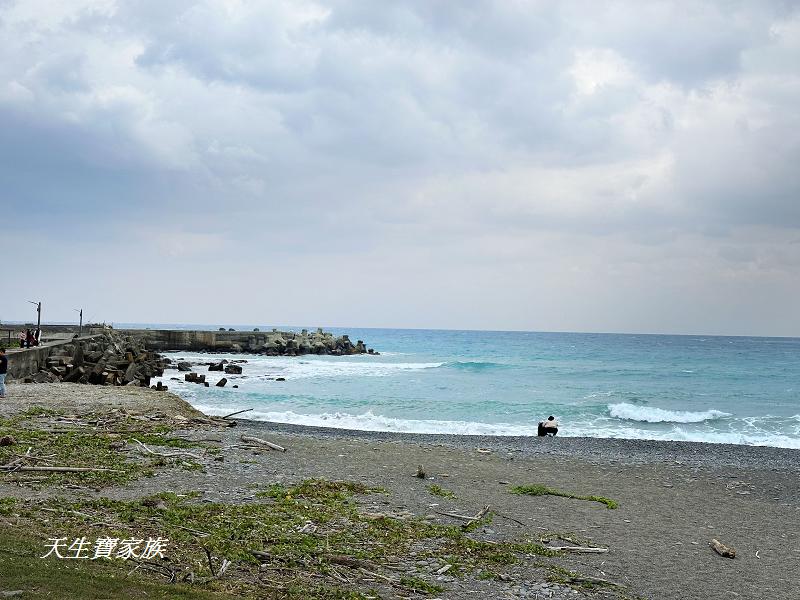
(647, 414)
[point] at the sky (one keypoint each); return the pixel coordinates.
(492, 164)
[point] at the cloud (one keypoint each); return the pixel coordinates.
(425, 147)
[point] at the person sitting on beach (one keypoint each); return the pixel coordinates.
(548, 427)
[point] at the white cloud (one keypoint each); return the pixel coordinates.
(433, 150)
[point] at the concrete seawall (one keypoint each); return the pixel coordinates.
(27, 361)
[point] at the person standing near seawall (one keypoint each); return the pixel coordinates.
(3, 371)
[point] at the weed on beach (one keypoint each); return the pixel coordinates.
(310, 540)
(439, 491)
(543, 490)
(32, 449)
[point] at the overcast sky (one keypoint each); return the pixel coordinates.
(585, 166)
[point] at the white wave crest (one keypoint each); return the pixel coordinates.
(368, 421)
(648, 414)
(306, 367)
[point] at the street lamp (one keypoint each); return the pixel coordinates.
(38, 314)
(80, 326)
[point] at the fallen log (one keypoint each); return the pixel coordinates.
(255, 440)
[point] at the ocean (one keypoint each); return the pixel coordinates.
(737, 390)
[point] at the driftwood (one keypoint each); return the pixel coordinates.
(238, 412)
(722, 549)
(255, 440)
(587, 579)
(579, 549)
(167, 454)
(469, 520)
(62, 469)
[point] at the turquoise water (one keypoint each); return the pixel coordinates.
(716, 389)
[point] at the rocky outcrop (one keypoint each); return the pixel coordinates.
(288, 343)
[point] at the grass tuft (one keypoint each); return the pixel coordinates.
(436, 490)
(543, 490)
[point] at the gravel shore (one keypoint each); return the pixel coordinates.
(674, 498)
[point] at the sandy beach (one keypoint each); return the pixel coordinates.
(673, 498)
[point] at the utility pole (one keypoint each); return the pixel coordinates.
(38, 314)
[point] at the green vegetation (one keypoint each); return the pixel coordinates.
(440, 491)
(542, 490)
(305, 537)
(82, 448)
(416, 584)
(22, 569)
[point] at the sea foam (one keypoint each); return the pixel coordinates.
(649, 414)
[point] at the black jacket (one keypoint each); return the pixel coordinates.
(3, 364)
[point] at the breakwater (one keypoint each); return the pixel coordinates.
(271, 343)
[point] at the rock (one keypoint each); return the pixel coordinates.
(184, 366)
(216, 367)
(44, 377)
(7, 440)
(236, 386)
(130, 373)
(233, 369)
(280, 379)
(222, 382)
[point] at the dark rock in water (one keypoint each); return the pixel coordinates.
(205, 383)
(231, 329)
(233, 369)
(221, 329)
(222, 382)
(216, 367)
(184, 366)
(236, 386)
(280, 379)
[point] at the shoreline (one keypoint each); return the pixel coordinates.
(624, 450)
